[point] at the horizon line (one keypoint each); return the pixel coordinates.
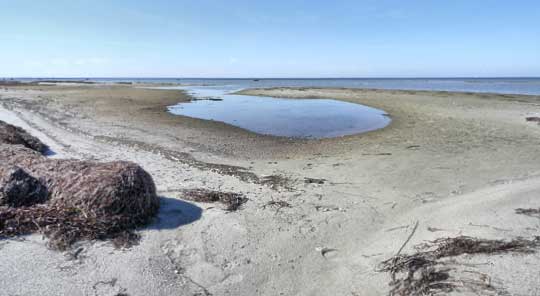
(268, 78)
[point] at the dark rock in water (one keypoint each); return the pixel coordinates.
(112, 188)
(208, 99)
(10, 134)
(18, 188)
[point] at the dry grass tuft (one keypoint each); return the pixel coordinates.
(232, 201)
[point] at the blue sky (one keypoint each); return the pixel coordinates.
(269, 38)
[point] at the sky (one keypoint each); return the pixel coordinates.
(278, 38)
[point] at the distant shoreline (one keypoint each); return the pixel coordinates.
(497, 85)
(505, 86)
(92, 78)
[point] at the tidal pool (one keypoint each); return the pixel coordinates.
(297, 118)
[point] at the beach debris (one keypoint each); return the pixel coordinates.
(533, 119)
(66, 226)
(434, 229)
(314, 181)
(428, 272)
(18, 188)
(239, 172)
(275, 182)
(13, 135)
(232, 201)
(277, 204)
(86, 200)
(109, 188)
(74, 255)
(324, 250)
(408, 238)
(529, 212)
(320, 208)
(489, 226)
(110, 287)
(396, 228)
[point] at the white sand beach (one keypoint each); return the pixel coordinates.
(453, 164)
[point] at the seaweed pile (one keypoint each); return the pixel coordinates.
(533, 119)
(529, 212)
(10, 134)
(232, 201)
(430, 272)
(70, 200)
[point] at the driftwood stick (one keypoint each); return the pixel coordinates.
(408, 239)
(396, 257)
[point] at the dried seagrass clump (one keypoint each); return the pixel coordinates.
(109, 188)
(86, 200)
(428, 271)
(13, 135)
(232, 201)
(531, 212)
(533, 119)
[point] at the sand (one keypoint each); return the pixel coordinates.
(456, 163)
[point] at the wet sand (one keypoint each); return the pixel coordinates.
(458, 163)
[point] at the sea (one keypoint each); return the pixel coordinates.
(524, 85)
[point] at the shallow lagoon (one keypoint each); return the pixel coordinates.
(298, 118)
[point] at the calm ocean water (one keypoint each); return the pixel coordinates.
(529, 86)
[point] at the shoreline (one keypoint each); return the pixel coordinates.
(467, 83)
(489, 94)
(459, 164)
